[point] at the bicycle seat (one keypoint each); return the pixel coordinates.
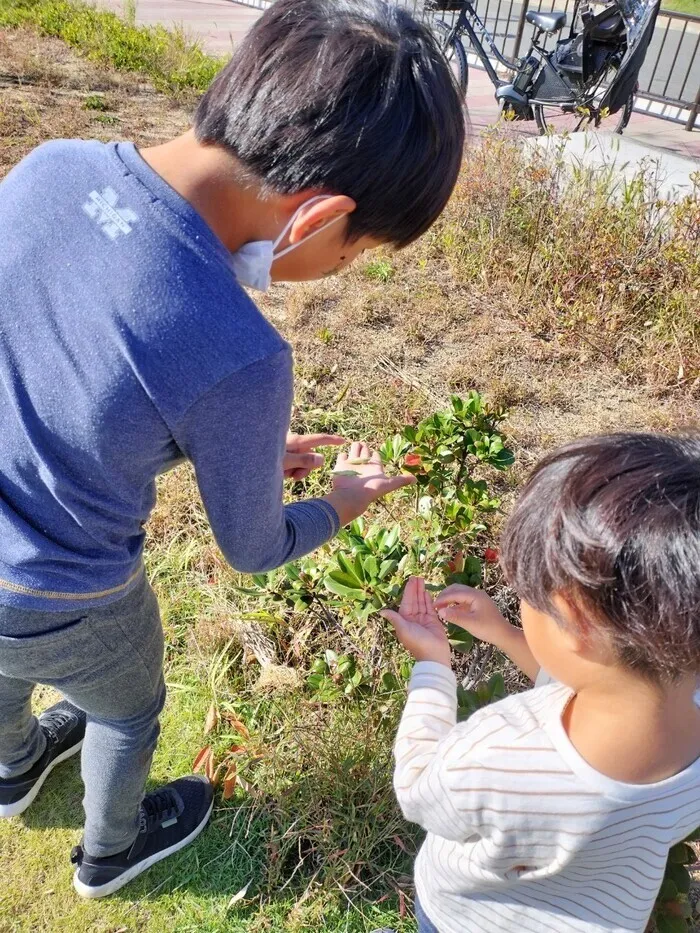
(547, 22)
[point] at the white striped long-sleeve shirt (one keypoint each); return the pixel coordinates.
(523, 834)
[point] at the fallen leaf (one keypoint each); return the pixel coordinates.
(212, 720)
(402, 905)
(216, 780)
(240, 727)
(400, 843)
(210, 768)
(200, 762)
(236, 749)
(239, 896)
(230, 782)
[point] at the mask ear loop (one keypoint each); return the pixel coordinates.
(293, 246)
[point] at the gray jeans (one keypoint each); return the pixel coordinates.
(109, 662)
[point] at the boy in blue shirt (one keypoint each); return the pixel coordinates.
(127, 344)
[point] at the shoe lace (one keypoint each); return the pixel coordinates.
(158, 807)
(52, 723)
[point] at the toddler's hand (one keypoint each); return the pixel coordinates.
(418, 626)
(474, 611)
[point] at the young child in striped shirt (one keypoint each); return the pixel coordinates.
(554, 810)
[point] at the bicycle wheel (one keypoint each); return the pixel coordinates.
(570, 118)
(453, 50)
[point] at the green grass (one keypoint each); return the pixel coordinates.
(168, 57)
(682, 6)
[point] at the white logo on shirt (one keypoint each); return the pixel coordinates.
(103, 209)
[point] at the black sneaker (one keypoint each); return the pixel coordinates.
(171, 818)
(64, 728)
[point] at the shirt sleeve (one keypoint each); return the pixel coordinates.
(235, 436)
(432, 754)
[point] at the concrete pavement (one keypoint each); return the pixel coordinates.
(219, 24)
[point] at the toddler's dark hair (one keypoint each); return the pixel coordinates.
(349, 96)
(612, 525)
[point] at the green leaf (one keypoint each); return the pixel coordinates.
(320, 666)
(386, 568)
(331, 656)
(315, 680)
(460, 639)
(679, 876)
(348, 567)
(666, 923)
(503, 459)
(371, 567)
(668, 891)
(389, 682)
(682, 854)
(392, 538)
(346, 665)
(497, 687)
(340, 587)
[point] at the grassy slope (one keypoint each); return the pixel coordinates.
(375, 348)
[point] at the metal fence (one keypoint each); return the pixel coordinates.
(669, 83)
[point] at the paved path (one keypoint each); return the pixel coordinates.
(219, 24)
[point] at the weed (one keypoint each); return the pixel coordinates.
(95, 102)
(379, 270)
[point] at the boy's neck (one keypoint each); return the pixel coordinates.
(211, 180)
(634, 731)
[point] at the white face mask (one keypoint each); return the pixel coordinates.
(253, 261)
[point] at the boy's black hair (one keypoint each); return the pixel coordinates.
(612, 525)
(351, 97)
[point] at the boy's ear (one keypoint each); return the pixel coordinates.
(583, 636)
(314, 216)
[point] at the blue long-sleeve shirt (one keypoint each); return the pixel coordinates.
(126, 345)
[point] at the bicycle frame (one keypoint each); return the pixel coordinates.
(467, 20)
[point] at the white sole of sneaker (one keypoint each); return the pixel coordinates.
(19, 806)
(104, 890)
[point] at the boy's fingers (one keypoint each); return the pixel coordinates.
(308, 441)
(355, 448)
(303, 461)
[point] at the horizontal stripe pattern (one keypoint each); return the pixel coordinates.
(520, 836)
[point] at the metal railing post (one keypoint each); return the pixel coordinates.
(693, 113)
(521, 29)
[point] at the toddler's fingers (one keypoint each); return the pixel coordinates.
(457, 594)
(396, 620)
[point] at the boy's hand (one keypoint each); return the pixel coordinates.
(474, 611)
(418, 626)
(359, 479)
(299, 460)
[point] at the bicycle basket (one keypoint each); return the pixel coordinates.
(550, 86)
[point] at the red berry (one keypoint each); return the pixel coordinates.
(491, 555)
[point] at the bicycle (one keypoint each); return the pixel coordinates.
(587, 81)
